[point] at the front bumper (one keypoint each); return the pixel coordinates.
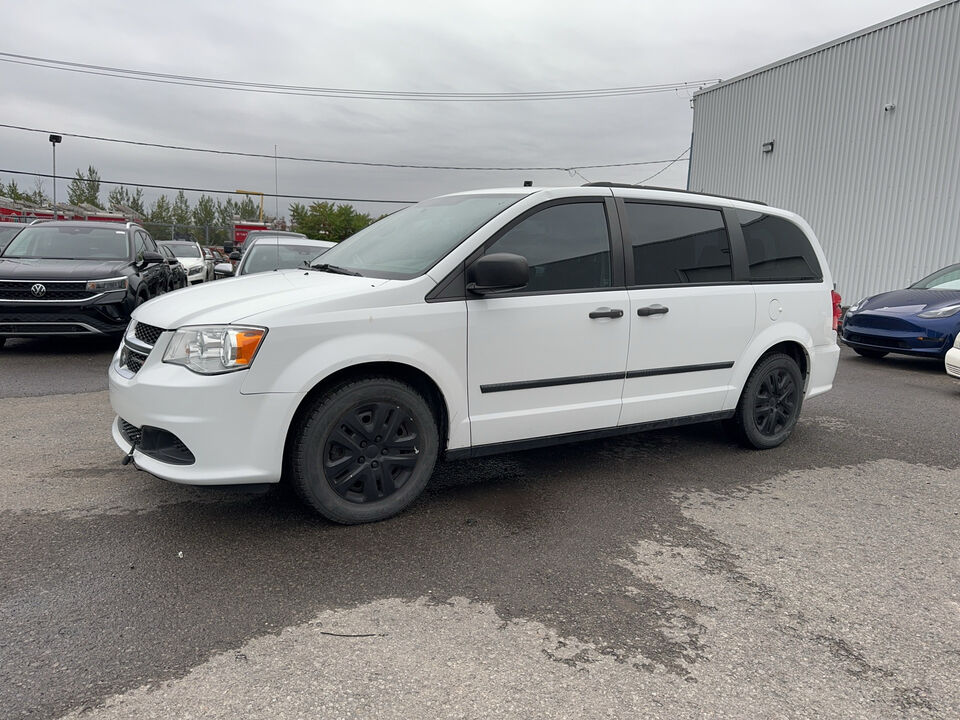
(952, 362)
(232, 438)
(107, 315)
(919, 343)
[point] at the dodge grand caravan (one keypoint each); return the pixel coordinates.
(475, 323)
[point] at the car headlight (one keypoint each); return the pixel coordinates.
(211, 350)
(854, 308)
(197, 269)
(106, 285)
(941, 312)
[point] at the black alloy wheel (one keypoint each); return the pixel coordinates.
(371, 452)
(364, 450)
(770, 404)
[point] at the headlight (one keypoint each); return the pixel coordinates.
(197, 269)
(105, 285)
(854, 308)
(215, 349)
(941, 312)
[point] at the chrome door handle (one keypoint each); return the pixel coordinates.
(652, 310)
(606, 313)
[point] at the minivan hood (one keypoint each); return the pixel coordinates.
(232, 299)
(50, 269)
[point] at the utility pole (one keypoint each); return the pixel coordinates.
(54, 139)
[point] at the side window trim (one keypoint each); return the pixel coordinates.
(738, 256)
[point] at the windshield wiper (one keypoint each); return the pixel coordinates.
(336, 269)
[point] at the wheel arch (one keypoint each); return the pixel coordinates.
(794, 341)
(412, 376)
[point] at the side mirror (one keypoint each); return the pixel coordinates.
(225, 269)
(235, 255)
(150, 258)
(497, 273)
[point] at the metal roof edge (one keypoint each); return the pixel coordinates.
(832, 43)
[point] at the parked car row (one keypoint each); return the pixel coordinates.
(85, 278)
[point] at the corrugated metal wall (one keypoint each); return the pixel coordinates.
(881, 188)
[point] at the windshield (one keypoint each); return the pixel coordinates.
(6, 235)
(411, 241)
(69, 243)
(261, 258)
(946, 279)
(185, 251)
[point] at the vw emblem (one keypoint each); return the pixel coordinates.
(38, 290)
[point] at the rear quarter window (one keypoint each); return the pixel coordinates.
(777, 250)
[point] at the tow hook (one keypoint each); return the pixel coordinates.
(128, 458)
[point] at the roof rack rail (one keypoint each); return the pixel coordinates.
(670, 189)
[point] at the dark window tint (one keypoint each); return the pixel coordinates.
(139, 244)
(566, 246)
(777, 250)
(673, 244)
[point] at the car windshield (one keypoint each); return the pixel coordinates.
(263, 257)
(947, 278)
(69, 243)
(185, 251)
(7, 234)
(411, 241)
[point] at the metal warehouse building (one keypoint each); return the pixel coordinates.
(860, 136)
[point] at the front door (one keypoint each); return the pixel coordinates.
(549, 359)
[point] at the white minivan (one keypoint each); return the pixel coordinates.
(476, 323)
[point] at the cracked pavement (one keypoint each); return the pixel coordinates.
(662, 575)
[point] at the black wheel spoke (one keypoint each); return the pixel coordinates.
(371, 452)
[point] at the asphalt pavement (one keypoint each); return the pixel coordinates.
(663, 575)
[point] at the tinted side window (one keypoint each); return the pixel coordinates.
(675, 244)
(567, 247)
(777, 250)
(150, 244)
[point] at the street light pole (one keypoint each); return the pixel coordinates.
(54, 139)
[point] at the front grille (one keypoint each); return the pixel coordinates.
(44, 329)
(130, 433)
(882, 322)
(147, 333)
(53, 290)
(953, 369)
(875, 340)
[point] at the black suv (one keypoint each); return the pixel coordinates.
(77, 278)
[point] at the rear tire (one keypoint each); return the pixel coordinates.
(770, 403)
(872, 354)
(364, 451)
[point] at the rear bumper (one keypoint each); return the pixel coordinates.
(823, 368)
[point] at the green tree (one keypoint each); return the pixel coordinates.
(159, 218)
(326, 221)
(12, 191)
(247, 209)
(121, 196)
(85, 189)
(205, 212)
(180, 212)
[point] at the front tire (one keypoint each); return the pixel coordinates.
(770, 404)
(364, 451)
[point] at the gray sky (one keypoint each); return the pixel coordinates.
(418, 45)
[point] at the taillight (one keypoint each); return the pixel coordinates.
(835, 300)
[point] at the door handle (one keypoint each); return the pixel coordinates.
(606, 313)
(652, 310)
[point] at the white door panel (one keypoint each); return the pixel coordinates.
(681, 362)
(539, 365)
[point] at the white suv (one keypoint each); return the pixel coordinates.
(476, 323)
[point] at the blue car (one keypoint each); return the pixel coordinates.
(923, 319)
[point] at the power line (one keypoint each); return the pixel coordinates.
(677, 159)
(344, 93)
(235, 153)
(208, 190)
